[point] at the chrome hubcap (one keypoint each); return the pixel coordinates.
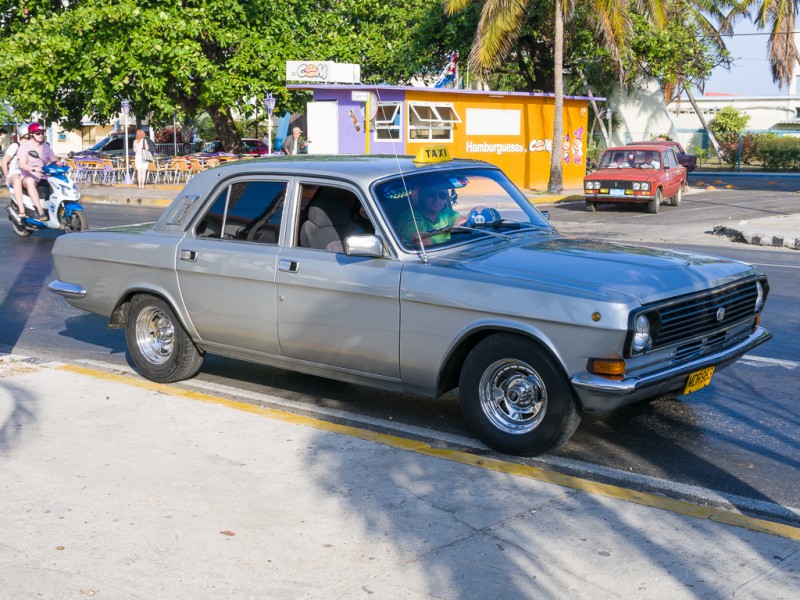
(155, 335)
(513, 396)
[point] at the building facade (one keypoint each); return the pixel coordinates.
(512, 130)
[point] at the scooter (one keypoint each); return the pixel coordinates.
(62, 199)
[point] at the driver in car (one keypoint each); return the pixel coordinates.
(433, 212)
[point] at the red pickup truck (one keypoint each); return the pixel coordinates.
(687, 160)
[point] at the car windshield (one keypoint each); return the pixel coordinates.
(99, 145)
(629, 158)
(447, 207)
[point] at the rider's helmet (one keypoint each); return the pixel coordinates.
(35, 128)
(22, 131)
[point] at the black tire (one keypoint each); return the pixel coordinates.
(591, 206)
(159, 346)
(655, 204)
(75, 222)
(516, 397)
(676, 199)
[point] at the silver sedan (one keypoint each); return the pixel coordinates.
(417, 277)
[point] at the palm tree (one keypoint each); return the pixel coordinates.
(499, 28)
(779, 16)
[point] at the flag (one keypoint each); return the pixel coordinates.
(450, 71)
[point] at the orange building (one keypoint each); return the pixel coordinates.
(512, 130)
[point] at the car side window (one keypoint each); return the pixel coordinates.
(249, 211)
(115, 144)
(328, 215)
(669, 159)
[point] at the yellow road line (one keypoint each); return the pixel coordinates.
(681, 507)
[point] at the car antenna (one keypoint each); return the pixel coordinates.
(406, 192)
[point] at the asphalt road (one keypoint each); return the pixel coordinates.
(737, 441)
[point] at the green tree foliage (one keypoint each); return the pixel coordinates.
(729, 120)
(194, 56)
(678, 52)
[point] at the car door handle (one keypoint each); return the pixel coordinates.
(290, 266)
(189, 255)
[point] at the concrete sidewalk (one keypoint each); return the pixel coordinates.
(119, 488)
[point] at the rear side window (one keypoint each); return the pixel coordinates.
(249, 211)
(115, 144)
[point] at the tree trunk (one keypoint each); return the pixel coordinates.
(226, 129)
(593, 102)
(700, 116)
(556, 183)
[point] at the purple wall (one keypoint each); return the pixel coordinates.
(352, 141)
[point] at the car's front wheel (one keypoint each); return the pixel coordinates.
(655, 203)
(516, 397)
(159, 346)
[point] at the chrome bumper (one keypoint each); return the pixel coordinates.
(600, 392)
(68, 290)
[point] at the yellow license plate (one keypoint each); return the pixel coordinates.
(698, 379)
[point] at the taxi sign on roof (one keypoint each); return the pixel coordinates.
(432, 154)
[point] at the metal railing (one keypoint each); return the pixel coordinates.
(181, 149)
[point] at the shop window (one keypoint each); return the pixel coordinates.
(431, 121)
(387, 121)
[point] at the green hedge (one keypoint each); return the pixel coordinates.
(778, 153)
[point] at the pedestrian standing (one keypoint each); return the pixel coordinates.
(5, 142)
(139, 145)
(295, 144)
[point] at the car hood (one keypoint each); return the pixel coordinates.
(623, 174)
(648, 274)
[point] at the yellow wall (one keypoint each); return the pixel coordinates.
(525, 157)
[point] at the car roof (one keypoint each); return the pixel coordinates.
(360, 170)
(640, 146)
(654, 143)
(355, 167)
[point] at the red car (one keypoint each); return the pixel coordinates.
(251, 146)
(645, 174)
(687, 160)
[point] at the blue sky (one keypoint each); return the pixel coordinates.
(750, 73)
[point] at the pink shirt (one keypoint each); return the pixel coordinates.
(28, 162)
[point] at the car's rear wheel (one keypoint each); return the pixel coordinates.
(591, 205)
(516, 397)
(159, 346)
(676, 199)
(655, 203)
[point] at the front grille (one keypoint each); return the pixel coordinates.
(701, 346)
(703, 316)
(619, 185)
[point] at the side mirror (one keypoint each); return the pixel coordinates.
(33, 153)
(70, 154)
(545, 214)
(363, 245)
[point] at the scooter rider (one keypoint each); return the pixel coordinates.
(30, 166)
(10, 167)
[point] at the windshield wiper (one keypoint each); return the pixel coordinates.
(483, 229)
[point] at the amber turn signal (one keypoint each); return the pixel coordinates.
(607, 367)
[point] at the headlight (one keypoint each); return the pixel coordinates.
(641, 334)
(590, 185)
(759, 297)
(645, 186)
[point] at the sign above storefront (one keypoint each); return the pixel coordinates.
(322, 71)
